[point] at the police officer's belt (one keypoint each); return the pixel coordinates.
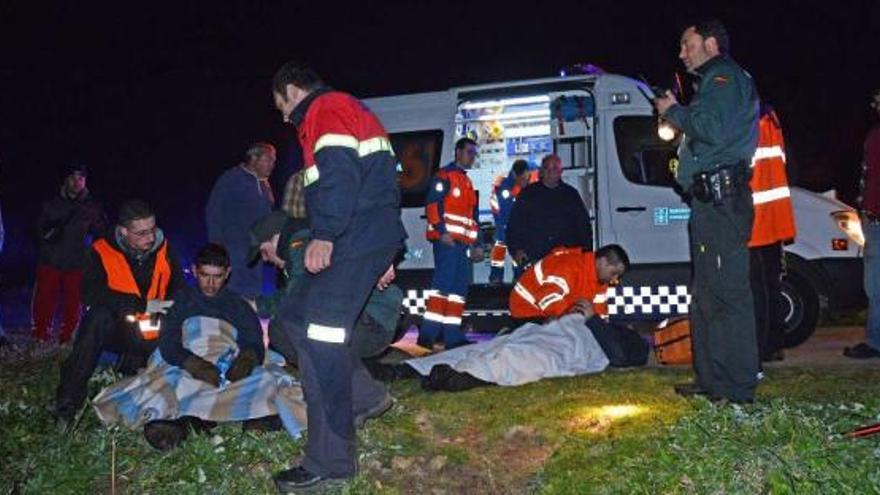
(722, 182)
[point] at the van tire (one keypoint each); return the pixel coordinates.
(801, 307)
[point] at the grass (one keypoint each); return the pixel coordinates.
(617, 432)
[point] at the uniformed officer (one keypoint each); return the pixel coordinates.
(501, 202)
(454, 230)
(354, 217)
(720, 128)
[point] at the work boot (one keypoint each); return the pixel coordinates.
(262, 425)
(165, 435)
(377, 410)
(861, 351)
(689, 389)
(301, 480)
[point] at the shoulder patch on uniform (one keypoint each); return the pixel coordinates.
(720, 79)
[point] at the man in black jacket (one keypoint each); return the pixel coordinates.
(546, 215)
(130, 277)
(64, 225)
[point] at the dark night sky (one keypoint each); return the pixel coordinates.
(159, 100)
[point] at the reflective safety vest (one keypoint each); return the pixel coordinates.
(121, 279)
(774, 214)
(452, 204)
(550, 287)
(501, 200)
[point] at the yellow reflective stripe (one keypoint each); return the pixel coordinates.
(323, 333)
(311, 175)
(770, 195)
(374, 145)
(343, 140)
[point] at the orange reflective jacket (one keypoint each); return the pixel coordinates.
(121, 279)
(452, 205)
(550, 287)
(774, 214)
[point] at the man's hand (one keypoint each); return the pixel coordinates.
(583, 307)
(158, 306)
(519, 256)
(318, 255)
(386, 279)
(477, 254)
(203, 370)
(243, 365)
(446, 238)
(664, 102)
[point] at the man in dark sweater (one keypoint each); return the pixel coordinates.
(208, 299)
(546, 215)
(131, 276)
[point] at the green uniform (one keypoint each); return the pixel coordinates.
(721, 131)
(377, 325)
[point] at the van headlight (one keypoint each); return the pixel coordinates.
(849, 222)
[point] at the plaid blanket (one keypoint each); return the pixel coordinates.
(163, 391)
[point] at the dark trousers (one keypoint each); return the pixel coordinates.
(51, 284)
(335, 382)
(722, 309)
(765, 272)
(101, 330)
(453, 272)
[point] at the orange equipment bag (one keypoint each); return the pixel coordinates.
(672, 341)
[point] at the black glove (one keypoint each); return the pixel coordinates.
(243, 365)
(203, 370)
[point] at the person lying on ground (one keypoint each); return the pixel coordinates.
(210, 367)
(564, 295)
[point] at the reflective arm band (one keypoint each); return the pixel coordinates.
(323, 333)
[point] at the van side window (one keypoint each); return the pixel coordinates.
(418, 157)
(644, 157)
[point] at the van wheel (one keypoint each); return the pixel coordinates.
(800, 307)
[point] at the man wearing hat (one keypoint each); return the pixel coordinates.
(64, 228)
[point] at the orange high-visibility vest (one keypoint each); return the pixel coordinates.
(121, 279)
(550, 287)
(459, 203)
(771, 196)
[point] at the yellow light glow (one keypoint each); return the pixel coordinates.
(619, 411)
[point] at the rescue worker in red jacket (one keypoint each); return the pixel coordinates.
(566, 280)
(454, 231)
(772, 227)
(130, 277)
(352, 197)
(501, 202)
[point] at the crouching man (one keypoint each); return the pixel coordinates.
(556, 298)
(209, 368)
(130, 277)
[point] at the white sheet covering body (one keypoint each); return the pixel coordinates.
(563, 347)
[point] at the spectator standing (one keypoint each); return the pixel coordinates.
(66, 224)
(240, 197)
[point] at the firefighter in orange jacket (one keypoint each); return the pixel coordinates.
(454, 230)
(566, 280)
(130, 277)
(773, 226)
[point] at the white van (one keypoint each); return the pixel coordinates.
(604, 129)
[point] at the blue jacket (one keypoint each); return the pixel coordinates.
(236, 202)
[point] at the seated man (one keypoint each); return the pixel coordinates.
(130, 277)
(568, 280)
(213, 335)
(281, 241)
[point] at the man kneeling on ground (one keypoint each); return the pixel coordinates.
(213, 335)
(130, 277)
(565, 291)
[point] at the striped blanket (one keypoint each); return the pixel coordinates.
(163, 391)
